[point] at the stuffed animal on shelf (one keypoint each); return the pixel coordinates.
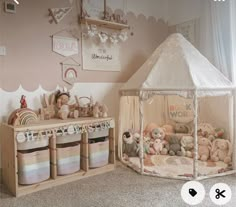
(174, 146)
(182, 128)
(100, 110)
(159, 134)
(130, 147)
(187, 146)
(64, 109)
(221, 151)
(204, 148)
(48, 111)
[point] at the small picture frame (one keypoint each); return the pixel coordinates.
(10, 7)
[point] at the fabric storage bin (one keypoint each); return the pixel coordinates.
(68, 158)
(68, 138)
(33, 166)
(33, 144)
(98, 152)
(98, 133)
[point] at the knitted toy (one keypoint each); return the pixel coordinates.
(221, 150)
(204, 148)
(159, 134)
(174, 146)
(187, 145)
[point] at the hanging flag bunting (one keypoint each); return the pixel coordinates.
(59, 13)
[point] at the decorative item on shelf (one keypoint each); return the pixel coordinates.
(23, 115)
(100, 110)
(64, 109)
(48, 110)
(114, 39)
(23, 103)
(59, 13)
(123, 36)
(103, 37)
(85, 110)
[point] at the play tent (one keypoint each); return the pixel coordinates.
(175, 76)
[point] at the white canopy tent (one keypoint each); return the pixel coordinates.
(176, 67)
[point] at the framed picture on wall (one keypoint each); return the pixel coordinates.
(101, 57)
(93, 8)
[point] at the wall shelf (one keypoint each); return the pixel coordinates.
(104, 23)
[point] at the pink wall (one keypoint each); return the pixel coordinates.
(30, 60)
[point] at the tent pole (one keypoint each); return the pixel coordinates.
(195, 161)
(141, 154)
(234, 130)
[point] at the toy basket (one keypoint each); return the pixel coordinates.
(68, 158)
(98, 152)
(33, 166)
(87, 110)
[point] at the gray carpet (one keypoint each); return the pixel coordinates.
(122, 187)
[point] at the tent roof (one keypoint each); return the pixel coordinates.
(177, 65)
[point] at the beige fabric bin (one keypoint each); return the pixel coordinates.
(98, 154)
(98, 133)
(68, 138)
(33, 166)
(68, 158)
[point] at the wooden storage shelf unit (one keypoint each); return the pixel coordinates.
(104, 23)
(9, 154)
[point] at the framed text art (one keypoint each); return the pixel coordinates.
(103, 57)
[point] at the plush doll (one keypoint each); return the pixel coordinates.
(130, 147)
(158, 146)
(137, 137)
(159, 133)
(64, 109)
(219, 133)
(204, 148)
(221, 150)
(104, 110)
(206, 130)
(182, 128)
(148, 129)
(174, 146)
(187, 145)
(148, 146)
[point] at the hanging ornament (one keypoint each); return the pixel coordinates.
(103, 37)
(114, 39)
(123, 36)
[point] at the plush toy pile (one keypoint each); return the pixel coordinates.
(178, 141)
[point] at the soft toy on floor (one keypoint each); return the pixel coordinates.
(168, 128)
(158, 146)
(204, 148)
(182, 128)
(147, 146)
(148, 129)
(130, 147)
(174, 146)
(159, 133)
(187, 146)
(221, 150)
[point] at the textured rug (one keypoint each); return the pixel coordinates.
(121, 187)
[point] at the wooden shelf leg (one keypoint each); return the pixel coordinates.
(112, 146)
(84, 152)
(53, 156)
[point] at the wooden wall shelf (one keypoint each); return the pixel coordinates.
(104, 23)
(10, 160)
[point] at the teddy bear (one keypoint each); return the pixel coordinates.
(187, 146)
(130, 147)
(174, 146)
(148, 129)
(159, 133)
(168, 128)
(158, 146)
(204, 148)
(221, 150)
(182, 128)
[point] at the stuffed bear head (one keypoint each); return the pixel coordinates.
(174, 140)
(187, 142)
(221, 144)
(158, 133)
(128, 137)
(203, 141)
(182, 128)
